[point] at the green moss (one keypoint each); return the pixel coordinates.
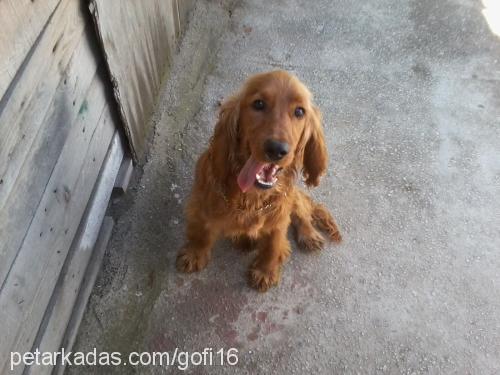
(84, 107)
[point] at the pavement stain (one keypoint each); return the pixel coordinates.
(223, 303)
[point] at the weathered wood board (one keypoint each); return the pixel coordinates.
(138, 40)
(22, 22)
(60, 150)
(85, 290)
(36, 120)
(124, 175)
(183, 8)
(57, 315)
(29, 285)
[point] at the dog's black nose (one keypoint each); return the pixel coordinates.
(275, 150)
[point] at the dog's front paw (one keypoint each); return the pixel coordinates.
(191, 261)
(262, 280)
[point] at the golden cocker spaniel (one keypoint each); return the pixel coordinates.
(267, 135)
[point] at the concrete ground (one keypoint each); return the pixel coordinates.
(410, 91)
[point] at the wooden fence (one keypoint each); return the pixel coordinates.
(62, 145)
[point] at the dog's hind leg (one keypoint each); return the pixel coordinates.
(307, 217)
(306, 236)
(324, 221)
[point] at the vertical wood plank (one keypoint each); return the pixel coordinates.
(85, 290)
(33, 276)
(75, 270)
(138, 39)
(184, 7)
(31, 141)
(22, 23)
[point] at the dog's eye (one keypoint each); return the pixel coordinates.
(299, 112)
(258, 105)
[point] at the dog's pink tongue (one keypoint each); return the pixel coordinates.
(246, 178)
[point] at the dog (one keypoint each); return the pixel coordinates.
(267, 135)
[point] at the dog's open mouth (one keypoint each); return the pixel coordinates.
(262, 175)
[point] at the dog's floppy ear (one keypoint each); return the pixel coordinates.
(225, 139)
(315, 157)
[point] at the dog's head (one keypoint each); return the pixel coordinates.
(269, 126)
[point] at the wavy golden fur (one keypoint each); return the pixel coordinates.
(260, 218)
